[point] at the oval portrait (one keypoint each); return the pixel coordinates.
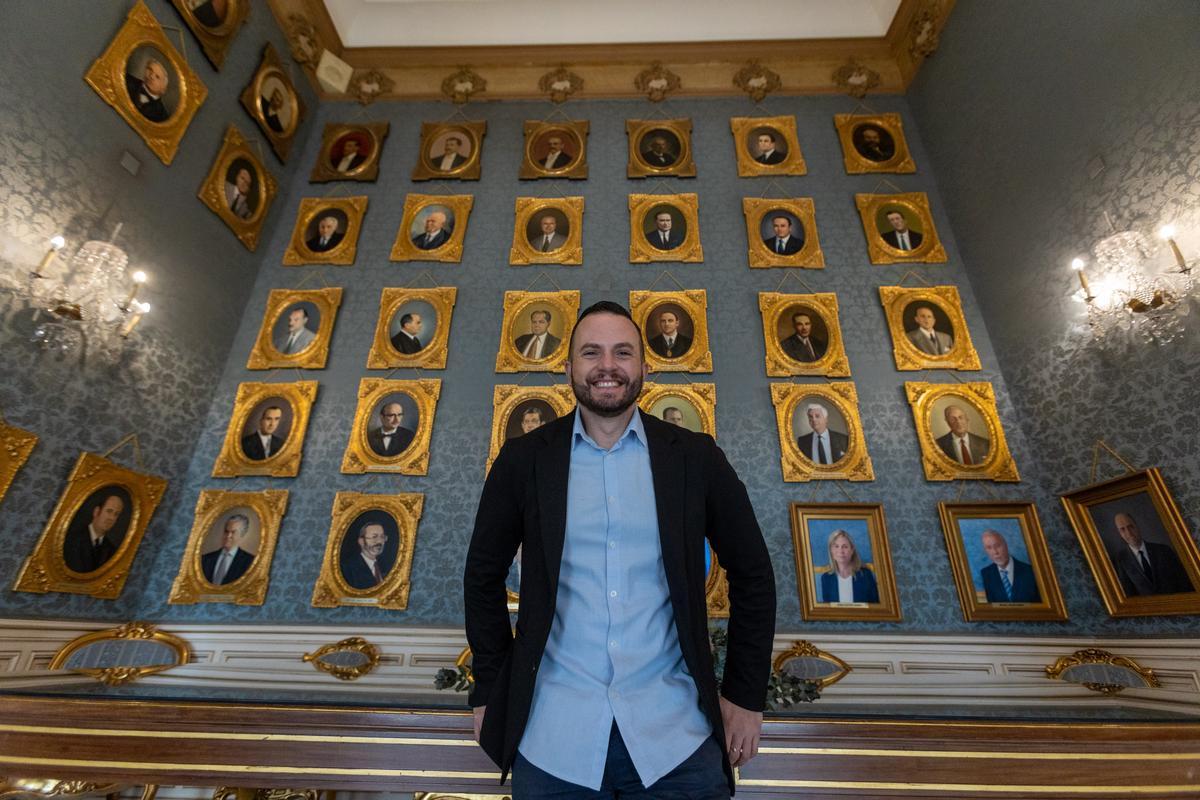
(413, 326)
(295, 329)
(677, 411)
(528, 415)
(450, 150)
(369, 549)
(665, 227)
(351, 151)
(554, 149)
(928, 328)
(821, 431)
(210, 13)
(899, 228)
(766, 145)
(782, 232)
(326, 230)
(669, 330)
(843, 562)
(960, 430)
(803, 334)
(276, 103)
(266, 428)
(432, 226)
(242, 187)
(547, 229)
(393, 424)
(659, 148)
(152, 83)
(873, 142)
(230, 545)
(536, 331)
(97, 528)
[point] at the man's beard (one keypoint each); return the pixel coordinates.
(607, 408)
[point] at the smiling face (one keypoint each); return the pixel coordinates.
(956, 418)
(105, 515)
(996, 548)
(606, 368)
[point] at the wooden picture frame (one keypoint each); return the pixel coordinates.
(766, 233)
(252, 413)
(238, 188)
(512, 403)
(645, 230)
(876, 210)
(215, 32)
(1002, 568)
(524, 313)
(929, 330)
(15, 446)
(547, 230)
(1137, 509)
(437, 145)
(689, 405)
(802, 335)
(689, 351)
(767, 146)
(393, 347)
(346, 577)
(296, 329)
(350, 151)
(248, 520)
(872, 583)
(873, 143)
(340, 246)
(795, 418)
(970, 403)
(273, 103)
(64, 558)
(406, 453)
(158, 102)
(660, 148)
(569, 151)
(432, 228)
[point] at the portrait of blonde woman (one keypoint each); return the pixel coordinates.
(847, 580)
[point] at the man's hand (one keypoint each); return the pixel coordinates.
(742, 729)
(479, 712)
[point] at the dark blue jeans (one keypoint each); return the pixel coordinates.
(699, 777)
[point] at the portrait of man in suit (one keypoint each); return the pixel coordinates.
(670, 342)
(664, 236)
(767, 148)
(547, 237)
(237, 193)
(539, 343)
(352, 156)
(527, 417)
(821, 445)
(556, 157)
(365, 562)
(874, 143)
(437, 232)
(1144, 567)
(925, 337)
(298, 335)
(1007, 579)
(658, 150)
(407, 340)
(327, 236)
(273, 110)
(96, 530)
(391, 437)
(803, 345)
(148, 92)
(788, 239)
(900, 237)
(230, 561)
(263, 442)
(531, 419)
(452, 156)
(673, 415)
(960, 444)
(210, 13)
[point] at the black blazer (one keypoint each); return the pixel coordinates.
(893, 239)
(153, 109)
(659, 345)
(78, 552)
(439, 239)
(314, 243)
(405, 344)
(355, 571)
(838, 442)
(252, 446)
(524, 502)
(241, 563)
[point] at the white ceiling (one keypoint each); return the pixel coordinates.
(451, 23)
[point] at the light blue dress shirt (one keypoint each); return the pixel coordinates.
(613, 651)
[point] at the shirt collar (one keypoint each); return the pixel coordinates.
(634, 429)
(230, 553)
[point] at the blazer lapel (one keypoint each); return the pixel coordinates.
(550, 472)
(669, 470)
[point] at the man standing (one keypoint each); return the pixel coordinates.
(821, 445)
(263, 443)
(327, 236)
(670, 343)
(960, 444)
(802, 345)
(390, 438)
(556, 158)
(925, 338)
(549, 239)
(1006, 579)
(237, 194)
(611, 508)
(229, 561)
(662, 237)
(539, 342)
(147, 92)
(767, 154)
(406, 339)
(366, 567)
(435, 234)
(900, 237)
(87, 547)
(1146, 568)
(298, 335)
(783, 242)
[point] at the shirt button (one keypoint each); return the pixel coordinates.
(612, 545)
(612, 644)
(613, 593)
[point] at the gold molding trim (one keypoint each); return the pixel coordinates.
(643, 208)
(691, 303)
(1094, 655)
(856, 162)
(997, 465)
(367, 86)
(823, 306)
(333, 588)
(12, 788)
(806, 649)
(519, 307)
(575, 131)
(559, 84)
(914, 207)
(324, 169)
(232, 461)
(525, 251)
(212, 190)
(962, 354)
(469, 170)
(855, 78)
(463, 84)
(760, 254)
(271, 67)
(15, 446)
(682, 166)
(757, 80)
(508, 398)
(343, 253)
(702, 397)
(853, 465)
(119, 676)
(657, 82)
(458, 205)
(265, 355)
(434, 353)
(743, 128)
(215, 41)
(352, 644)
(413, 459)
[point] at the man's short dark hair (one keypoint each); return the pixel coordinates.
(543, 312)
(604, 307)
(769, 134)
(407, 318)
(301, 309)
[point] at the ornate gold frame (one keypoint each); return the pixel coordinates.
(107, 77)
(833, 364)
(352, 644)
(759, 255)
(264, 355)
(214, 42)
(433, 355)
(505, 399)
(190, 586)
(404, 250)
(516, 314)
(930, 250)
(15, 446)
(797, 467)
(701, 396)
(118, 676)
(716, 588)
(858, 164)
(272, 66)
(962, 355)
(888, 608)
(1078, 503)
(694, 303)
(212, 189)
(331, 589)
(571, 251)
(232, 462)
(366, 171)
(470, 170)
(997, 466)
(344, 253)
(1094, 655)
(1051, 607)
(45, 569)
(793, 161)
(641, 251)
(684, 166)
(806, 649)
(576, 130)
(414, 460)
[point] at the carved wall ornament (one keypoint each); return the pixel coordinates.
(12, 788)
(15, 446)
(657, 82)
(302, 39)
(757, 81)
(116, 674)
(460, 86)
(807, 661)
(367, 85)
(856, 78)
(559, 84)
(923, 33)
(347, 660)
(1102, 671)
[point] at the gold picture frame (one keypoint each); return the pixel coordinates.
(448, 212)
(508, 399)
(873, 143)
(916, 346)
(391, 349)
(273, 103)
(815, 529)
(160, 120)
(752, 134)
(684, 211)
(675, 156)
(253, 402)
(535, 243)
(787, 351)
(570, 159)
(341, 246)
(242, 204)
(279, 345)
(213, 32)
(763, 243)
(1108, 517)
(848, 459)
(696, 404)
(716, 587)
(407, 453)
(15, 446)
(363, 140)
(523, 315)
(913, 208)
(463, 166)
(346, 582)
(932, 406)
(64, 558)
(689, 346)
(250, 520)
(983, 537)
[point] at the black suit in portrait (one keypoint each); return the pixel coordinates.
(400, 440)
(153, 108)
(893, 239)
(1167, 575)
(406, 344)
(314, 244)
(438, 239)
(355, 162)
(881, 152)
(978, 446)
(838, 443)
(455, 162)
(241, 562)
(774, 157)
(654, 237)
(793, 245)
(355, 571)
(550, 344)
(272, 119)
(793, 347)
(680, 346)
(658, 159)
(253, 448)
(206, 16)
(1024, 584)
(78, 551)
(561, 160)
(524, 504)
